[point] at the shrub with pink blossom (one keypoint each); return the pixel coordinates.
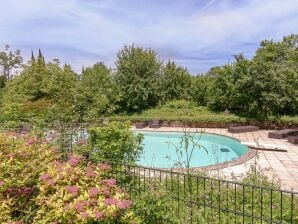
(79, 192)
(22, 159)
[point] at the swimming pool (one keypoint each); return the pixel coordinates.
(160, 149)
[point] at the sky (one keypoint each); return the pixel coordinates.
(197, 34)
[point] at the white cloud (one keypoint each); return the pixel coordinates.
(81, 30)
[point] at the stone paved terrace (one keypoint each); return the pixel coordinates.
(282, 166)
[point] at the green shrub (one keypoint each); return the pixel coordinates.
(180, 104)
(183, 111)
(115, 143)
(153, 207)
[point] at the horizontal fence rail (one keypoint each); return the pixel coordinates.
(191, 198)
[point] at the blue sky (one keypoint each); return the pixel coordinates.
(196, 34)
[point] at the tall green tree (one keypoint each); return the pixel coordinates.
(176, 82)
(139, 78)
(9, 60)
(220, 90)
(200, 88)
(275, 75)
(266, 85)
(97, 93)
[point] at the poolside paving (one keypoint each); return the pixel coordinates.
(282, 166)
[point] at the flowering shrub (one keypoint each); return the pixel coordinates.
(75, 192)
(22, 159)
(37, 187)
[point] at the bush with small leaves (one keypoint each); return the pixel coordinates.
(76, 192)
(22, 159)
(116, 143)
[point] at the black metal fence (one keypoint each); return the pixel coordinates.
(201, 199)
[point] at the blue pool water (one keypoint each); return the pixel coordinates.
(160, 150)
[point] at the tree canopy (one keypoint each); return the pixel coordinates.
(9, 60)
(138, 77)
(265, 85)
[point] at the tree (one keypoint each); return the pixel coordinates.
(176, 82)
(220, 89)
(275, 74)
(96, 94)
(139, 78)
(42, 91)
(200, 88)
(9, 60)
(264, 86)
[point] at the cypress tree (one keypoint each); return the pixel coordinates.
(40, 59)
(32, 58)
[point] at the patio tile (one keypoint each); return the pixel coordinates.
(289, 164)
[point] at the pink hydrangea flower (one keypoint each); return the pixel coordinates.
(24, 191)
(84, 215)
(74, 160)
(92, 201)
(50, 182)
(106, 192)
(124, 204)
(98, 215)
(79, 206)
(1, 183)
(73, 190)
(93, 192)
(109, 182)
(104, 166)
(110, 201)
(74, 178)
(90, 174)
(45, 176)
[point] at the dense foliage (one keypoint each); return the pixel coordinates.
(176, 82)
(36, 186)
(115, 142)
(183, 111)
(97, 94)
(261, 87)
(266, 85)
(138, 77)
(74, 192)
(41, 92)
(22, 160)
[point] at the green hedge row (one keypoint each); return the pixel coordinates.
(214, 120)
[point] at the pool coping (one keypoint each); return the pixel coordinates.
(251, 153)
